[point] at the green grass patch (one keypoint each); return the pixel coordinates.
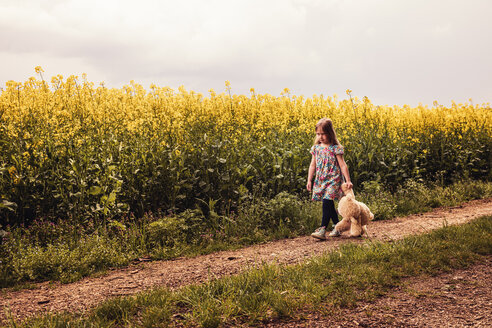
(339, 278)
(66, 252)
(416, 197)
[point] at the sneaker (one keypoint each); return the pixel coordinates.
(334, 233)
(319, 233)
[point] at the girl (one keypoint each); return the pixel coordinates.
(329, 165)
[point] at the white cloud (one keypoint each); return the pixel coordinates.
(394, 51)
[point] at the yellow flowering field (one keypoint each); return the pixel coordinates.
(70, 148)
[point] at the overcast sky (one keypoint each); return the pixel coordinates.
(393, 51)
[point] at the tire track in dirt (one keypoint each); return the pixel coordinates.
(88, 292)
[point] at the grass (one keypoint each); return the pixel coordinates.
(66, 252)
(416, 197)
(274, 292)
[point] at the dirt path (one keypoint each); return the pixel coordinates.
(84, 294)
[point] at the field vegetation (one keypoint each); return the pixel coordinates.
(75, 151)
(66, 252)
(92, 177)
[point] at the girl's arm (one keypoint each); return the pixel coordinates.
(344, 169)
(312, 169)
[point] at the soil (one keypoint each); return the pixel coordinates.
(438, 301)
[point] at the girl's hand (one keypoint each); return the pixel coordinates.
(349, 185)
(309, 185)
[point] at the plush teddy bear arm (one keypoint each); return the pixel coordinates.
(366, 214)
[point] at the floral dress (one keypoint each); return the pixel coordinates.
(328, 180)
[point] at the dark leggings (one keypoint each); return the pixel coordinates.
(329, 212)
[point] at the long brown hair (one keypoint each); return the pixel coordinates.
(326, 126)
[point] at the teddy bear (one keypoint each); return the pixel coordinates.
(356, 215)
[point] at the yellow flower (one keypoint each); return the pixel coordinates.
(12, 171)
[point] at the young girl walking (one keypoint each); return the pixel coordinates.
(328, 164)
